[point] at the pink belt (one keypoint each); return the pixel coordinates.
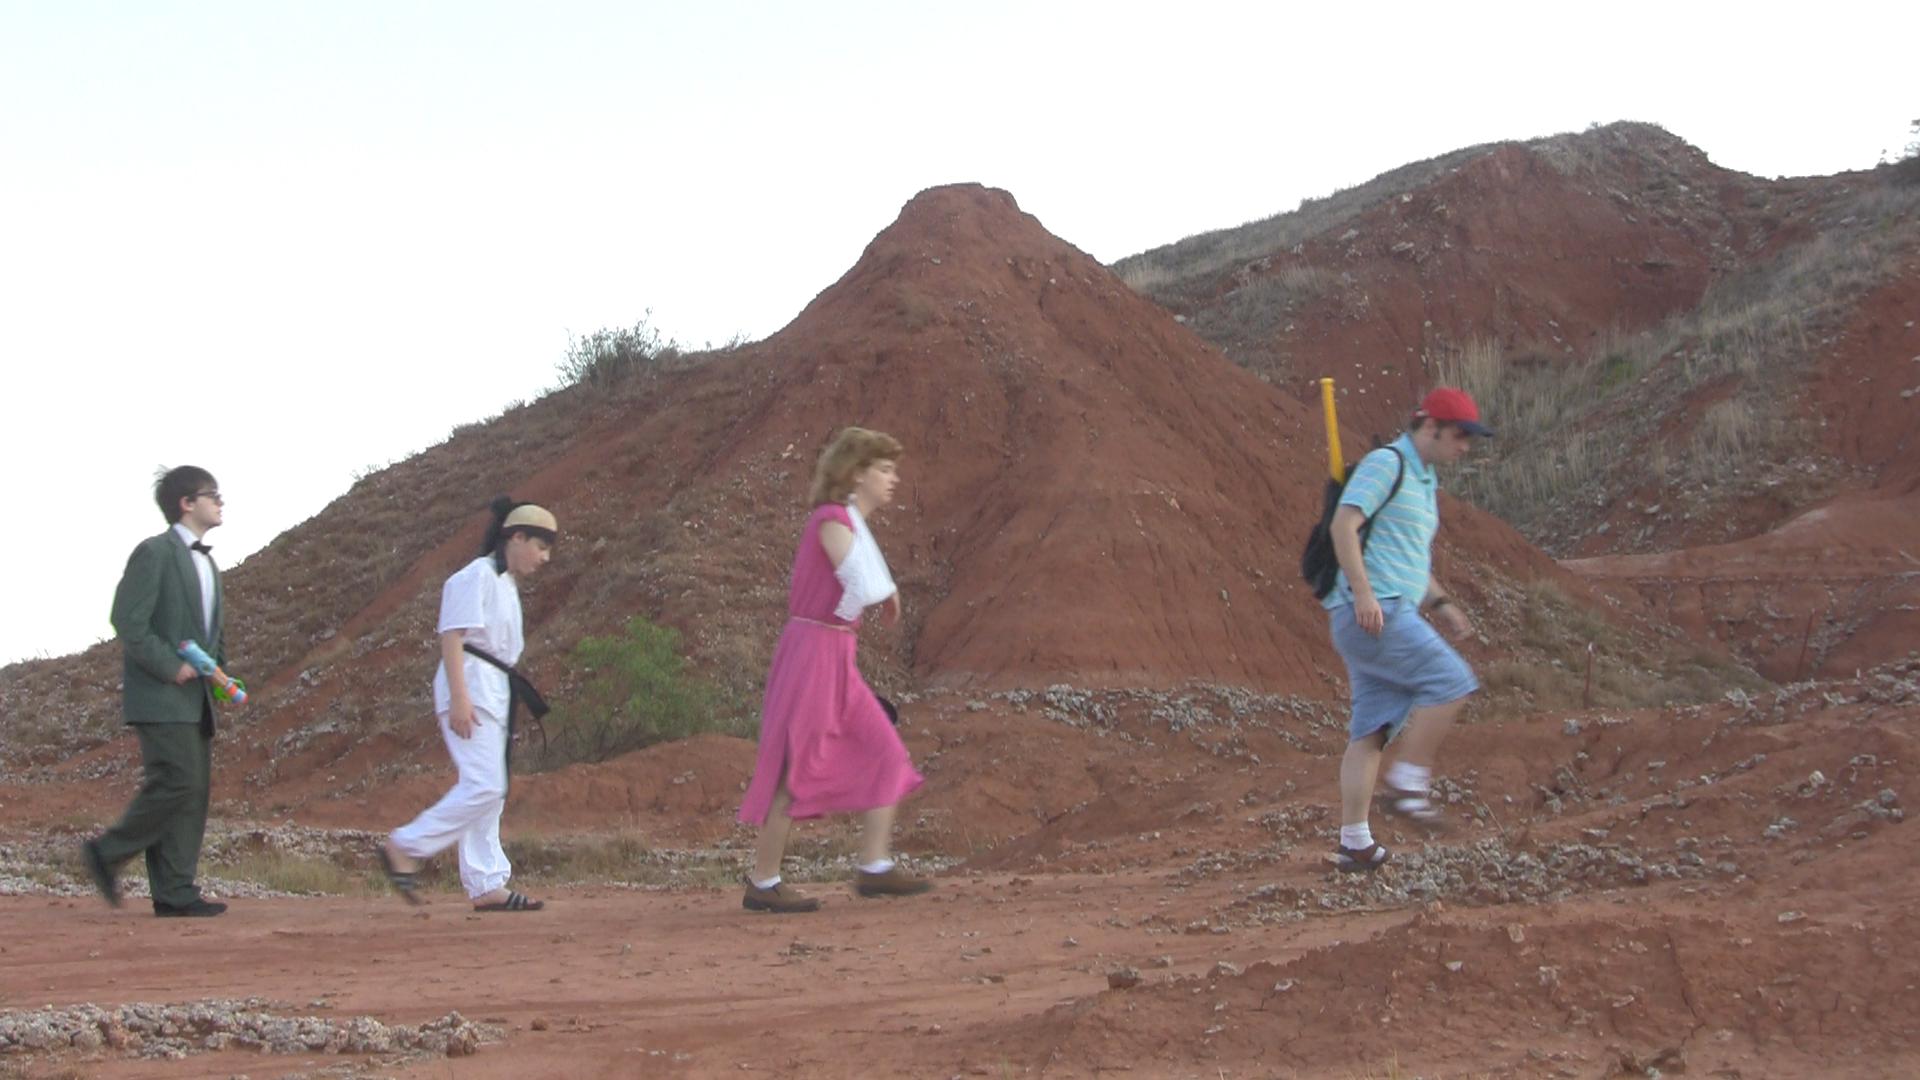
(842, 627)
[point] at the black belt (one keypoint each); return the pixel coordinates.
(520, 691)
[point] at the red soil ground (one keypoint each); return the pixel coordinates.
(1093, 496)
(1723, 891)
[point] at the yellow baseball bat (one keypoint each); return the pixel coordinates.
(1334, 465)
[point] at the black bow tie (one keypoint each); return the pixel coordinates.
(204, 549)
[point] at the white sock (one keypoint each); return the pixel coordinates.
(880, 866)
(1405, 776)
(1356, 837)
(767, 884)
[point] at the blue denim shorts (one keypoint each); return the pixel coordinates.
(1407, 666)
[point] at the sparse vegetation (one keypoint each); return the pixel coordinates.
(301, 875)
(1163, 273)
(1907, 170)
(1586, 152)
(1159, 272)
(638, 691)
(1536, 404)
(607, 356)
(1573, 431)
(1559, 632)
(1257, 310)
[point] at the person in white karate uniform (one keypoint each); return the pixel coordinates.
(479, 609)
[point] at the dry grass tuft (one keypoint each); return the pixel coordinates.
(301, 875)
(1561, 637)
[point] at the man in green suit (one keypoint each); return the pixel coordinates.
(170, 593)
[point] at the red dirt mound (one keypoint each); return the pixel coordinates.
(1829, 593)
(1586, 989)
(1093, 494)
(1837, 588)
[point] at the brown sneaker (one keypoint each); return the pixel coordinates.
(781, 899)
(890, 882)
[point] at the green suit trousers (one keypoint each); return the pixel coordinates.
(168, 816)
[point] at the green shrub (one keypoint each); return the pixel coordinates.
(637, 692)
(1906, 171)
(606, 356)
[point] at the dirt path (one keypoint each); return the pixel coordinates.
(1002, 975)
(686, 982)
(1722, 890)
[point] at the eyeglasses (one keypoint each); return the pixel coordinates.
(214, 495)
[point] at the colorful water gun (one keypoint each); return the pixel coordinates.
(225, 687)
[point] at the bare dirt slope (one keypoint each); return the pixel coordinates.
(1092, 495)
(1832, 591)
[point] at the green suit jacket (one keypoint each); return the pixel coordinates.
(156, 607)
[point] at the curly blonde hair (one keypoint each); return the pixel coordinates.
(851, 450)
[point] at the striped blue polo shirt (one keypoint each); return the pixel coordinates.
(1399, 553)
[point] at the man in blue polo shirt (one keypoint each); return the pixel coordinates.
(1404, 675)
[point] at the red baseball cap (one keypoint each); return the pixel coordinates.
(1454, 407)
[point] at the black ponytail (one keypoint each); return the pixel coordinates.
(495, 544)
(529, 519)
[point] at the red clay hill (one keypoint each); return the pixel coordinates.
(1682, 358)
(1544, 247)
(1835, 588)
(1092, 495)
(1095, 497)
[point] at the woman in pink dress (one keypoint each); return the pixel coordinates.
(826, 746)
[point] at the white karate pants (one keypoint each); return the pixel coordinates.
(469, 814)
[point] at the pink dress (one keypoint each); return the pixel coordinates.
(821, 727)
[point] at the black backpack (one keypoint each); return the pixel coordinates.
(1318, 564)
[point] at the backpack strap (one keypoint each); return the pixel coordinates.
(1366, 527)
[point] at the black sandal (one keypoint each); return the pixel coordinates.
(403, 881)
(514, 902)
(1359, 860)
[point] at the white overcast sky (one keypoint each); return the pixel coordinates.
(291, 240)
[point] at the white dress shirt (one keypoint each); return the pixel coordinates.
(202, 565)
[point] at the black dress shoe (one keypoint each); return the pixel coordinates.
(199, 909)
(100, 872)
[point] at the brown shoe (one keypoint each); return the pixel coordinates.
(890, 882)
(781, 899)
